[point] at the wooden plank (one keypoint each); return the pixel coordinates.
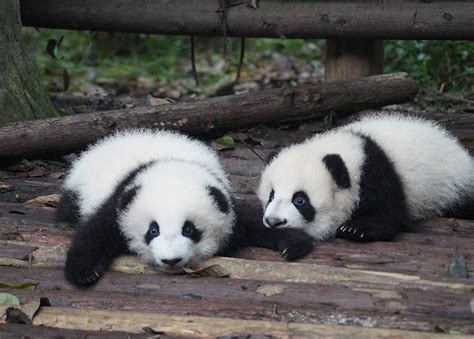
(180, 294)
(29, 331)
(106, 320)
(15, 251)
(425, 252)
(328, 19)
(302, 303)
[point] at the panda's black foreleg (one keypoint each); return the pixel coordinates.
(291, 243)
(93, 248)
(366, 229)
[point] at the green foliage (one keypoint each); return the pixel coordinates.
(123, 57)
(435, 64)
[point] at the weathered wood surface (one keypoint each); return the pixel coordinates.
(361, 19)
(30, 331)
(391, 286)
(352, 58)
(210, 116)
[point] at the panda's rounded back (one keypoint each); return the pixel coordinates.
(101, 167)
(436, 171)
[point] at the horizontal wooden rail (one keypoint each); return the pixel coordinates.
(380, 20)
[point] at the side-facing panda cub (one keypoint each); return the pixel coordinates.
(158, 194)
(368, 180)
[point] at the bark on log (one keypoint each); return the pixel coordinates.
(22, 96)
(386, 20)
(207, 117)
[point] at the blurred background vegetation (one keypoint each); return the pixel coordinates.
(438, 66)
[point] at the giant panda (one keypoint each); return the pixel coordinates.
(368, 180)
(158, 194)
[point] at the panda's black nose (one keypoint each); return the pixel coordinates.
(275, 222)
(171, 262)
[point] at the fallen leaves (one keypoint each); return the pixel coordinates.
(212, 271)
(9, 299)
(27, 285)
(50, 200)
(270, 290)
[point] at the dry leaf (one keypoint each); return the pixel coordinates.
(13, 262)
(22, 166)
(5, 188)
(9, 299)
(45, 200)
(269, 290)
(213, 271)
(27, 285)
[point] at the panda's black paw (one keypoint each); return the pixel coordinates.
(84, 270)
(365, 232)
(295, 244)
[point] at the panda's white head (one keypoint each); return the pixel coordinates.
(307, 187)
(179, 214)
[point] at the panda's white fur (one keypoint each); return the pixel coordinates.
(98, 170)
(435, 171)
(173, 187)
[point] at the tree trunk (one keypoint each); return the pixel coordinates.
(22, 96)
(208, 117)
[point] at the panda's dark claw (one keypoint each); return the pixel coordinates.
(295, 244)
(366, 231)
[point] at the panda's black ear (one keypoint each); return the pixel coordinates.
(219, 198)
(338, 170)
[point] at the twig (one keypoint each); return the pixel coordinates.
(248, 146)
(241, 61)
(193, 61)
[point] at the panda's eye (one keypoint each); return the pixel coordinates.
(153, 232)
(271, 197)
(299, 199)
(154, 229)
(188, 229)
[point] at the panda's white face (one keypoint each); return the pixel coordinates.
(175, 221)
(297, 190)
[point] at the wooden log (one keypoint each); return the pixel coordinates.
(194, 326)
(215, 115)
(412, 254)
(29, 331)
(376, 20)
(347, 59)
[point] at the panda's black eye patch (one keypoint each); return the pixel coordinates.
(302, 203)
(271, 196)
(153, 232)
(300, 199)
(190, 231)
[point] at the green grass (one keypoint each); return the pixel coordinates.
(163, 59)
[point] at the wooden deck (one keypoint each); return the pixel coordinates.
(385, 289)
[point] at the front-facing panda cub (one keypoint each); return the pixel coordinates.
(158, 194)
(368, 180)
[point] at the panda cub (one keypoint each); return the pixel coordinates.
(157, 194)
(368, 180)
